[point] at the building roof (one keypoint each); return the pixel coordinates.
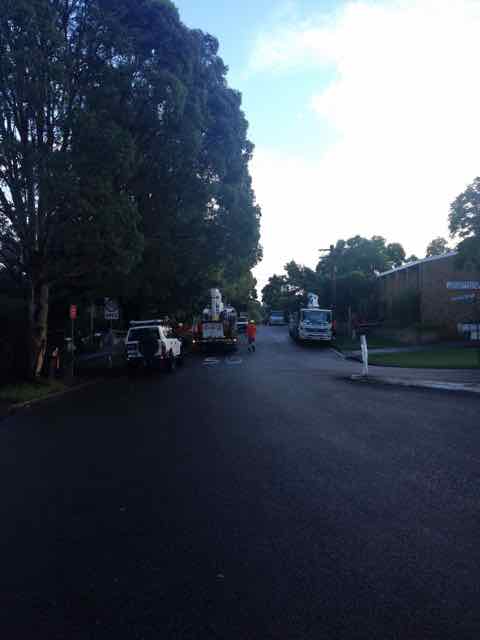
(414, 264)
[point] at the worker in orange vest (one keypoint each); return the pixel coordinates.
(252, 335)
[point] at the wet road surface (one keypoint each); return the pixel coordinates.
(254, 496)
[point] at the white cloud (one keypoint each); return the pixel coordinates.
(405, 106)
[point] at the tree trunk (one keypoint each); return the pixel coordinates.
(38, 325)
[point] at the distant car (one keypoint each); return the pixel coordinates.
(151, 343)
(276, 318)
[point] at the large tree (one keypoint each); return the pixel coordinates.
(65, 211)
(198, 211)
(464, 222)
(117, 130)
(437, 247)
(275, 293)
(363, 255)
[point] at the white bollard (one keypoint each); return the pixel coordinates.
(363, 343)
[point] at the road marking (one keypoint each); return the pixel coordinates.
(232, 360)
(209, 362)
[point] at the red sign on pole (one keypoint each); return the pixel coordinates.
(73, 312)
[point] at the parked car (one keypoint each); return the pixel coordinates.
(151, 343)
(276, 318)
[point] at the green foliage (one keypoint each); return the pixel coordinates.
(436, 358)
(64, 208)
(364, 255)
(192, 185)
(344, 278)
(277, 294)
(437, 247)
(240, 292)
(19, 393)
(124, 158)
(355, 263)
(464, 222)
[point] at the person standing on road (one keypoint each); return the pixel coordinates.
(252, 335)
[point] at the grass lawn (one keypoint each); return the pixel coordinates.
(26, 391)
(347, 344)
(438, 358)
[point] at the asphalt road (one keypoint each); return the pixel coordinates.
(261, 496)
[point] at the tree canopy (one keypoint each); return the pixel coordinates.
(464, 222)
(437, 247)
(123, 156)
(363, 255)
(345, 276)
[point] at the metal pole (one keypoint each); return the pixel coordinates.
(334, 281)
(477, 300)
(72, 354)
(92, 311)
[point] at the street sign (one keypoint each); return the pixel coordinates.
(112, 312)
(467, 297)
(73, 312)
(464, 284)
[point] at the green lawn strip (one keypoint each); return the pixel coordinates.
(28, 391)
(346, 344)
(430, 359)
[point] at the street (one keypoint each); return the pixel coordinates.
(252, 496)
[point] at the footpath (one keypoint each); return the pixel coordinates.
(444, 379)
(90, 368)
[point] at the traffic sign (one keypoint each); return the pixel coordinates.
(467, 297)
(73, 312)
(112, 312)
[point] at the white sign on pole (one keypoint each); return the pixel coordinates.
(466, 297)
(363, 343)
(464, 284)
(112, 312)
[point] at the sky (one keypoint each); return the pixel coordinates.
(364, 115)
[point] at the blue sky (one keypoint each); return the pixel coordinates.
(363, 114)
(237, 28)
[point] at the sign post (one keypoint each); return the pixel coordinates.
(73, 317)
(112, 312)
(92, 318)
(363, 343)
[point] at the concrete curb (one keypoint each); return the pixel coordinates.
(24, 405)
(419, 384)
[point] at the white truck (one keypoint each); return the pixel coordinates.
(218, 325)
(311, 323)
(151, 343)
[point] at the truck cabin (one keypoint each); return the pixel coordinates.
(316, 317)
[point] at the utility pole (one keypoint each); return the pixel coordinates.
(331, 249)
(334, 279)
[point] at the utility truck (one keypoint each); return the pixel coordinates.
(217, 328)
(311, 323)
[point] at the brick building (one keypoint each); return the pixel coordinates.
(432, 292)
